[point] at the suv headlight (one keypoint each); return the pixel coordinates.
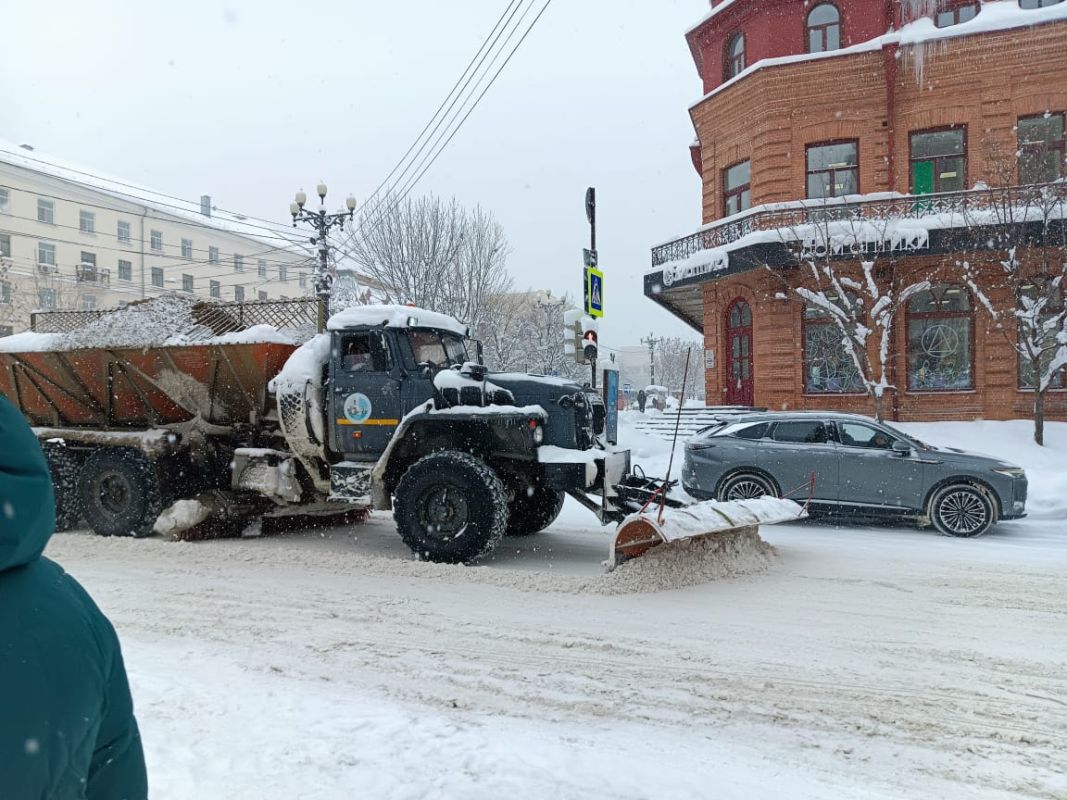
(1011, 472)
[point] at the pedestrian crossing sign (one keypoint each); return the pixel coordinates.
(594, 292)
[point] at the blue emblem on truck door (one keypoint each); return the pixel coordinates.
(357, 408)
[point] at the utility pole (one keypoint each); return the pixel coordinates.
(322, 223)
(591, 260)
(651, 342)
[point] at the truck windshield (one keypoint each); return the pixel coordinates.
(437, 349)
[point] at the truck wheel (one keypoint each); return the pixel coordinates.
(962, 510)
(64, 469)
(119, 493)
(450, 507)
(534, 510)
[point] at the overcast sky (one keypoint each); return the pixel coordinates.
(248, 101)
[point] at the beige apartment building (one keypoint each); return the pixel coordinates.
(71, 239)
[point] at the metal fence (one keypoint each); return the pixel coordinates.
(971, 206)
(217, 318)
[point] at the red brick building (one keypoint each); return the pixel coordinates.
(885, 132)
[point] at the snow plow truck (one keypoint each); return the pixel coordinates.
(391, 408)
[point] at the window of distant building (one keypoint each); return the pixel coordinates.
(283, 273)
(124, 232)
(125, 270)
(5, 201)
(88, 302)
(213, 255)
(940, 332)
(5, 292)
(833, 169)
(238, 263)
(1041, 148)
(187, 283)
(87, 222)
(261, 268)
(735, 56)
(736, 188)
(5, 244)
(157, 277)
(46, 254)
(828, 366)
(938, 161)
(303, 280)
(88, 259)
(239, 293)
(1030, 370)
(156, 240)
(824, 28)
(46, 299)
(215, 289)
(46, 211)
(1038, 3)
(953, 12)
(262, 295)
(187, 249)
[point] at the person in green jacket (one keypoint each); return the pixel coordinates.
(67, 728)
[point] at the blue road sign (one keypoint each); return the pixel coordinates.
(595, 296)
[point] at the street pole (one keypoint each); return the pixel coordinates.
(651, 342)
(323, 223)
(590, 213)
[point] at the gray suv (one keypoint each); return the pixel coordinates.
(861, 467)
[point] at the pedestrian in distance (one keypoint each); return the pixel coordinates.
(642, 398)
(67, 727)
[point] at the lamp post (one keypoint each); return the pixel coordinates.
(323, 223)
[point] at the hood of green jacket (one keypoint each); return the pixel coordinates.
(27, 504)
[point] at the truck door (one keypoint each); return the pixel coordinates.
(364, 394)
(422, 353)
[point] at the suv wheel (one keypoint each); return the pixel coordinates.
(962, 510)
(746, 486)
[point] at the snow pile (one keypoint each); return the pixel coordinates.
(303, 366)
(688, 563)
(394, 317)
(181, 516)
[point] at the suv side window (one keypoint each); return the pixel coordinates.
(365, 352)
(855, 434)
(805, 432)
(757, 431)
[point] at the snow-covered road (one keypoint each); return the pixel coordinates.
(868, 662)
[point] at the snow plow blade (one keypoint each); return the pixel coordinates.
(655, 526)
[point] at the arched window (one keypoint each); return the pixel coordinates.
(828, 365)
(824, 28)
(735, 55)
(739, 379)
(940, 337)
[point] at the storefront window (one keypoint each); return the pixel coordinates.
(940, 334)
(828, 366)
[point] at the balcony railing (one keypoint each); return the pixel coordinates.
(976, 206)
(86, 273)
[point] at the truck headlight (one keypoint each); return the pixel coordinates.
(538, 434)
(1011, 472)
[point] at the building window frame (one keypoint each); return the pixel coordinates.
(5, 200)
(158, 279)
(213, 255)
(1045, 147)
(155, 239)
(261, 268)
(187, 249)
(938, 160)
(5, 292)
(283, 273)
(263, 295)
(122, 231)
(5, 245)
(238, 262)
(125, 270)
(938, 294)
(188, 283)
(239, 293)
(46, 256)
(812, 320)
(823, 30)
(86, 221)
(955, 12)
(46, 211)
(734, 60)
(832, 169)
(50, 303)
(215, 289)
(739, 195)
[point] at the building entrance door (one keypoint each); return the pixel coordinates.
(739, 353)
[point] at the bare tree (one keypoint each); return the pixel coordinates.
(670, 357)
(433, 254)
(860, 300)
(1022, 291)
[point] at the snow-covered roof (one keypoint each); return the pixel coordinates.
(263, 232)
(994, 16)
(394, 317)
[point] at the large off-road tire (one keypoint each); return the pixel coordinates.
(63, 467)
(746, 486)
(533, 510)
(962, 510)
(450, 507)
(119, 493)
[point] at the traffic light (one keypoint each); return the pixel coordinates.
(572, 334)
(589, 345)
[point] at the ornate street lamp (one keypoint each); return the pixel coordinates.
(323, 223)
